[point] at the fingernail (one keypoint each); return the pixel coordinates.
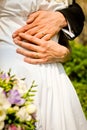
(15, 40)
(18, 50)
(13, 35)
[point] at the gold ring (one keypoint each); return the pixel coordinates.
(43, 33)
(36, 56)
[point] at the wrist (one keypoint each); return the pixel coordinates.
(63, 20)
(65, 53)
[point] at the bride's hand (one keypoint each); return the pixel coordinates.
(43, 24)
(38, 51)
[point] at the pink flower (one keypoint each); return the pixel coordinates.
(13, 127)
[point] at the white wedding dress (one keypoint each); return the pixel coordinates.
(57, 101)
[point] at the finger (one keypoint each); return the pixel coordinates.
(30, 20)
(17, 38)
(44, 36)
(47, 37)
(29, 54)
(22, 29)
(32, 17)
(34, 61)
(31, 39)
(40, 34)
(28, 46)
(32, 31)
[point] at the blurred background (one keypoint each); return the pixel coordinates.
(83, 37)
(76, 67)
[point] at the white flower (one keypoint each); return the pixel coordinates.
(31, 108)
(28, 117)
(23, 114)
(1, 125)
(1, 90)
(2, 114)
(4, 102)
(21, 87)
(16, 108)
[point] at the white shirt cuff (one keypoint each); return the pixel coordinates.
(68, 32)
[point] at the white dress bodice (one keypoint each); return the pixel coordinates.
(14, 13)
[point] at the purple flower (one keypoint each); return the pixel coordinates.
(14, 98)
(3, 76)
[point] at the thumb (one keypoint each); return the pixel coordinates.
(32, 17)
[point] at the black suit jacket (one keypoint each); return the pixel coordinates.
(76, 18)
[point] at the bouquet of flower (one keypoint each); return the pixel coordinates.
(17, 108)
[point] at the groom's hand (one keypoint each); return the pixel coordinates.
(38, 51)
(43, 24)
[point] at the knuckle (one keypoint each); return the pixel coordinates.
(46, 60)
(31, 38)
(21, 44)
(43, 50)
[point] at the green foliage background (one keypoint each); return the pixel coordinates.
(76, 68)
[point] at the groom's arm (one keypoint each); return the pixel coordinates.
(75, 17)
(45, 24)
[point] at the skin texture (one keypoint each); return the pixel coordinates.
(38, 24)
(39, 51)
(37, 34)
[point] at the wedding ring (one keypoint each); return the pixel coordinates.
(43, 33)
(36, 56)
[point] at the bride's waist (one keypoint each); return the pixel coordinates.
(11, 23)
(6, 46)
(6, 41)
(9, 51)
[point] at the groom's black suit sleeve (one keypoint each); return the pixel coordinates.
(75, 17)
